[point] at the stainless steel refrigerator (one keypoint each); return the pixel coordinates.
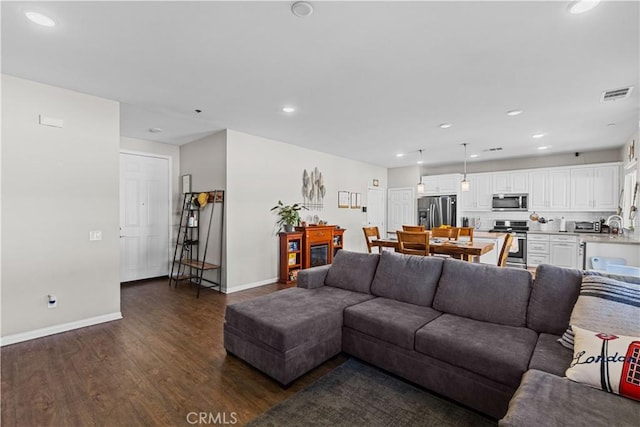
(434, 211)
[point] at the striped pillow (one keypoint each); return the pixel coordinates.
(606, 303)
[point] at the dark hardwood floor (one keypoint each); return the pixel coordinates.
(163, 364)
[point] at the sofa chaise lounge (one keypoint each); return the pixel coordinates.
(478, 334)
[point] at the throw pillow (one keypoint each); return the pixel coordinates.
(605, 303)
(610, 362)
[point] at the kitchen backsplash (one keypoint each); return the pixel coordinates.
(487, 218)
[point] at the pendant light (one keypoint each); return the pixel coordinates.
(420, 186)
(465, 185)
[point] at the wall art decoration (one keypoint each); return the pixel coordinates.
(313, 189)
(343, 199)
(355, 201)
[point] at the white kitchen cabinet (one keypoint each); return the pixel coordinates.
(441, 184)
(555, 249)
(563, 251)
(537, 249)
(478, 198)
(549, 189)
(511, 182)
(595, 188)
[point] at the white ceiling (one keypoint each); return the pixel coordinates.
(369, 79)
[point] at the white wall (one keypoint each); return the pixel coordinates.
(259, 173)
(205, 160)
(57, 185)
(407, 176)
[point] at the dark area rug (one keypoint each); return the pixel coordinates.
(357, 394)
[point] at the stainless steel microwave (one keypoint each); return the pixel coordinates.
(510, 202)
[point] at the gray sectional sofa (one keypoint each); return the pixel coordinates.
(481, 335)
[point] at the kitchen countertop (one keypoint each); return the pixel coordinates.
(594, 237)
(487, 235)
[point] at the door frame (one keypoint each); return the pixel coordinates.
(169, 160)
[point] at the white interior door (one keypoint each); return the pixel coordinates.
(401, 208)
(144, 217)
(375, 209)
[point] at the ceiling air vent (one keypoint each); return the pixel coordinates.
(612, 95)
(492, 149)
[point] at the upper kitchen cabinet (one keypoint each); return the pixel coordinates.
(511, 182)
(549, 189)
(441, 184)
(595, 188)
(478, 198)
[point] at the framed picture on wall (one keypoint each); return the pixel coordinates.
(343, 199)
(186, 183)
(355, 200)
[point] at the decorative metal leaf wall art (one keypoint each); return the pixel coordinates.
(313, 189)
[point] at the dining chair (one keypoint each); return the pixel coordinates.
(371, 232)
(466, 231)
(414, 228)
(413, 243)
(451, 233)
(504, 252)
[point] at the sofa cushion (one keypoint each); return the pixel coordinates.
(497, 352)
(352, 271)
(484, 292)
(550, 357)
(392, 321)
(554, 293)
(606, 361)
(544, 399)
(411, 279)
(606, 303)
(291, 317)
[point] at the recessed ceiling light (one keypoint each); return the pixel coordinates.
(399, 154)
(544, 147)
(420, 162)
(514, 112)
(288, 109)
(445, 125)
(155, 130)
(582, 6)
(40, 19)
(301, 9)
(473, 155)
(538, 135)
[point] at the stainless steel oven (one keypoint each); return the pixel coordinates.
(517, 258)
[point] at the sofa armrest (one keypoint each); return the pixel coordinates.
(312, 278)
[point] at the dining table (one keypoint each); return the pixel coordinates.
(461, 249)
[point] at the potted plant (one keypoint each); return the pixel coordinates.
(289, 215)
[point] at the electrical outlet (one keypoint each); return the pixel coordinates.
(95, 235)
(52, 302)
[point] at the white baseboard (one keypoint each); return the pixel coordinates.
(250, 285)
(56, 329)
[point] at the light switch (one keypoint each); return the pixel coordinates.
(95, 235)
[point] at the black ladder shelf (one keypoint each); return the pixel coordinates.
(188, 264)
